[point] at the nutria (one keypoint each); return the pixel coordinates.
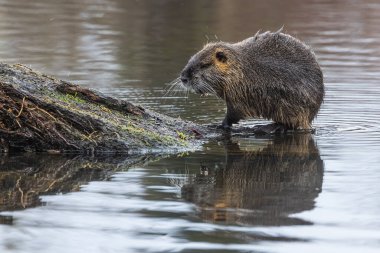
(271, 75)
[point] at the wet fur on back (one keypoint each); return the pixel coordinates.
(271, 75)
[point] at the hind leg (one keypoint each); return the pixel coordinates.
(271, 128)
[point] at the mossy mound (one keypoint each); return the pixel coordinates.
(40, 113)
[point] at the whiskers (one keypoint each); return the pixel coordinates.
(205, 89)
(174, 87)
(198, 85)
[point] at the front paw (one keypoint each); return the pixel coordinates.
(219, 126)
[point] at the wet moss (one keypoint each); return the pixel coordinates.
(68, 98)
(152, 137)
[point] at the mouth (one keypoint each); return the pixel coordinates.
(201, 92)
(196, 88)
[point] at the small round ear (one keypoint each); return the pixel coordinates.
(220, 56)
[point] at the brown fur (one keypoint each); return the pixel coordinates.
(271, 75)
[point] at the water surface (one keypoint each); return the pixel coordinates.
(295, 193)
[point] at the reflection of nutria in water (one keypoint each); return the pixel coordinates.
(260, 187)
(270, 75)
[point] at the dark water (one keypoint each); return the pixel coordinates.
(295, 193)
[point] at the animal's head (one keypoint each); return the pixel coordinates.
(213, 69)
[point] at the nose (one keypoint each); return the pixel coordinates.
(184, 79)
(186, 75)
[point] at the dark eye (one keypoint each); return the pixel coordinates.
(220, 56)
(205, 65)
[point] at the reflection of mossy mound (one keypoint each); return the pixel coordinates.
(23, 178)
(40, 113)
